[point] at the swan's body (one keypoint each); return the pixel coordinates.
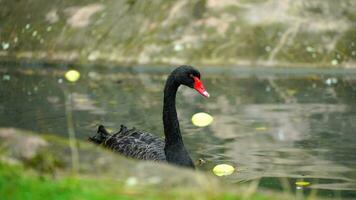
(133, 143)
(145, 146)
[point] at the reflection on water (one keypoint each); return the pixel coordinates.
(275, 128)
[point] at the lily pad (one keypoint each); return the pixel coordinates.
(202, 119)
(302, 183)
(72, 75)
(223, 170)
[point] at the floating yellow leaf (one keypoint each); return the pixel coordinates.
(72, 75)
(261, 128)
(202, 119)
(223, 170)
(291, 92)
(302, 183)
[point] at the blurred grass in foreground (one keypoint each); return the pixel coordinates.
(18, 184)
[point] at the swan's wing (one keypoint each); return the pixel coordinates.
(134, 143)
(132, 147)
(142, 136)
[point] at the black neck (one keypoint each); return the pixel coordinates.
(174, 147)
(170, 119)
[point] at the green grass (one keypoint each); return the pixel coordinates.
(17, 183)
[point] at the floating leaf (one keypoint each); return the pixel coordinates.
(302, 183)
(291, 92)
(261, 128)
(202, 119)
(72, 75)
(223, 170)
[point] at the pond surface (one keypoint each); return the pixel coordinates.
(277, 126)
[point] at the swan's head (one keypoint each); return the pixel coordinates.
(190, 77)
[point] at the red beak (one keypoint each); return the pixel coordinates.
(198, 86)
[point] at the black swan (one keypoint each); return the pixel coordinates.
(143, 145)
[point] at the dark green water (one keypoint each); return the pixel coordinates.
(276, 126)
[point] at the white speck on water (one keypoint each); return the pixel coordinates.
(268, 48)
(29, 93)
(16, 39)
(281, 135)
(27, 26)
(60, 80)
(331, 81)
(338, 56)
(310, 49)
(92, 74)
(178, 47)
(5, 45)
(49, 28)
(6, 77)
(41, 40)
(314, 85)
(353, 53)
(131, 181)
(334, 62)
(268, 89)
(299, 187)
(34, 33)
(35, 89)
